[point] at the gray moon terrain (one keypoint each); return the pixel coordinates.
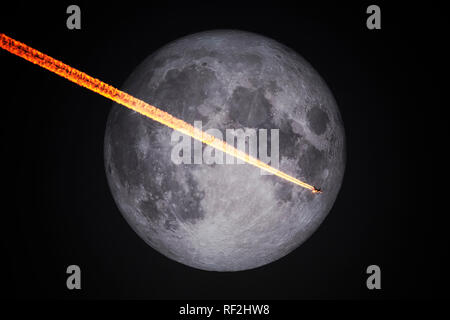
(223, 217)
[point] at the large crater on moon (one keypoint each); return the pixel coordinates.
(226, 217)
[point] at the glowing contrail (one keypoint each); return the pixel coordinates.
(22, 50)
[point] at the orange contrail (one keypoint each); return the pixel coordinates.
(22, 50)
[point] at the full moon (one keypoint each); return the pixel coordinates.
(225, 217)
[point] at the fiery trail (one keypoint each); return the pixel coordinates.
(22, 50)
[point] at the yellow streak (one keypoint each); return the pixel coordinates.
(22, 50)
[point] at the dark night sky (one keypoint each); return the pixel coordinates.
(59, 211)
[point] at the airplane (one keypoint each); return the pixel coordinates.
(316, 190)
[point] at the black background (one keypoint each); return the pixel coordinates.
(57, 209)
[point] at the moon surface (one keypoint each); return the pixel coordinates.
(223, 217)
